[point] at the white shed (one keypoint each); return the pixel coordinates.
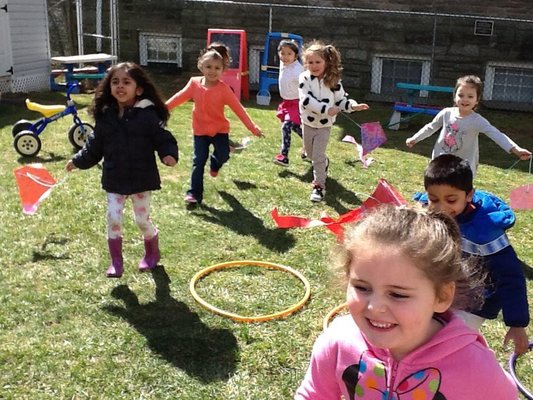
(24, 46)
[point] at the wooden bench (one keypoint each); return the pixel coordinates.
(410, 107)
(84, 70)
(96, 76)
(77, 74)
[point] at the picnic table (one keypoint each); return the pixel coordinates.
(95, 67)
(410, 107)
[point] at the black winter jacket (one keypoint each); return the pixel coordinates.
(127, 146)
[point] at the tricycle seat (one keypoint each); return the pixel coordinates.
(45, 110)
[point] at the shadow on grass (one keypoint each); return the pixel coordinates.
(45, 252)
(336, 194)
(243, 222)
(242, 185)
(528, 271)
(52, 157)
(176, 333)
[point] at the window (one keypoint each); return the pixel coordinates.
(509, 82)
(483, 28)
(254, 63)
(159, 48)
(387, 70)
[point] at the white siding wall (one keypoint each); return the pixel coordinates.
(30, 45)
(5, 42)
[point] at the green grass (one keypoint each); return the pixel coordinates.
(68, 332)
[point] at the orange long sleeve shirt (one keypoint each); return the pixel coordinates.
(208, 111)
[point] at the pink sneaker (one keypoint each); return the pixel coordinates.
(282, 160)
(189, 198)
(213, 173)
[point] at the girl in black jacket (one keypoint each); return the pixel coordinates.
(130, 116)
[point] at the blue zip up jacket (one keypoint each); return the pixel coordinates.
(483, 235)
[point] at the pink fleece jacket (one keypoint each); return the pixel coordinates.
(456, 364)
(208, 112)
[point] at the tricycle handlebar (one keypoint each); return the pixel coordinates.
(70, 88)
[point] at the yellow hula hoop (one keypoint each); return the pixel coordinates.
(329, 317)
(240, 318)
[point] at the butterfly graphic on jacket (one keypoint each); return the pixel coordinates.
(368, 380)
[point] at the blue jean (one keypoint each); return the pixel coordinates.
(219, 157)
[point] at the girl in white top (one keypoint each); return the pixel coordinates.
(460, 127)
(288, 112)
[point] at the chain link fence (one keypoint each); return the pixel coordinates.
(379, 48)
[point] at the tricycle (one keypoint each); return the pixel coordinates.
(26, 133)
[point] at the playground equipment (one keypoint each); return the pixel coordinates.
(269, 73)
(512, 369)
(236, 75)
(26, 133)
(410, 107)
(262, 264)
(74, 67)
(113, 36)
(72, 73)
(330, 316)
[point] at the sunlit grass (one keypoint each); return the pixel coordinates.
(66, 331)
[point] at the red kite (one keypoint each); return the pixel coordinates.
(384, 193)
(35, 184)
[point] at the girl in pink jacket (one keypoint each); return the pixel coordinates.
(401, 340)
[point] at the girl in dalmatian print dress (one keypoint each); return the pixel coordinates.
(321, 97)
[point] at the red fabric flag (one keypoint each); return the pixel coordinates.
(384, 193)
(35, 184)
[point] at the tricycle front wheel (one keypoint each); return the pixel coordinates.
(79, 133)
(21, 125)
(27, 144)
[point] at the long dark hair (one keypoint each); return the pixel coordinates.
(103, 97)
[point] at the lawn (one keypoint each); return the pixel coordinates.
(68, 332)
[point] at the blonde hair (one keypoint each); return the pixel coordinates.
(431, 240)
(332, 60)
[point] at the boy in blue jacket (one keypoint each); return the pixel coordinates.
(483, 219)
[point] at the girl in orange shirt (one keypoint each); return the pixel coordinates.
(209, 124)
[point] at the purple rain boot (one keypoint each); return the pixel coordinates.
(115, 250)
(151, 254)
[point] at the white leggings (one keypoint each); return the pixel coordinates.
(141, 210)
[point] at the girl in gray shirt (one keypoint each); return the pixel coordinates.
(460, 127)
